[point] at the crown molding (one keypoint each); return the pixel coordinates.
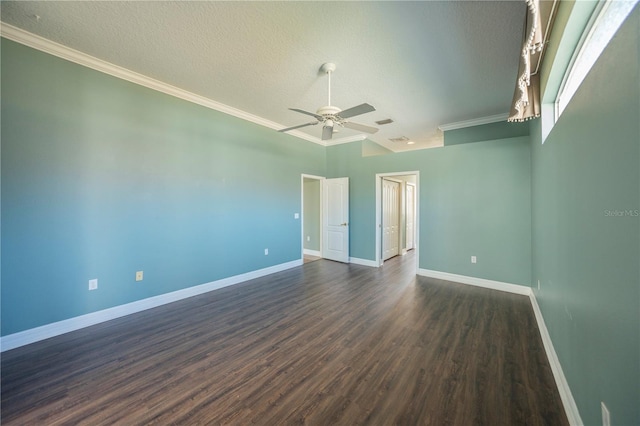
(56, 49)
(344, 140)
(473, 122)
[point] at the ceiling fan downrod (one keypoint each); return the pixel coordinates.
(328, 68)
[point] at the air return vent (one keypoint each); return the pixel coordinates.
(385, 121)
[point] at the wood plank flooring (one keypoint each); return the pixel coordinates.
(307, 258)
(324, 344)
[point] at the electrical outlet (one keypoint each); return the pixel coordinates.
(266, 252)
(296, 215)
(139, 275)
(93, 284)
(606, 416)
(308, 238)
(473, 259)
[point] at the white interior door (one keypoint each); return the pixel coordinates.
(390, 218)
(411, 212)
(336, 219)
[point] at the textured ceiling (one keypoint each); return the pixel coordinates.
(422, 64)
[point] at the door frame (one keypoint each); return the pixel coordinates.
(400, 210)
(408, 184)
(378, 213)
(321, 179)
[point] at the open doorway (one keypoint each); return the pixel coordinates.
(392, 215)
(325, 218)
(311, 218)
(396, 214)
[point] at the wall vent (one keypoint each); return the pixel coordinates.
(383, 122)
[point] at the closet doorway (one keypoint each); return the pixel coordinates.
(396, 214)
(391, 211)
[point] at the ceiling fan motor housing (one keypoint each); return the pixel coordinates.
(328, 111)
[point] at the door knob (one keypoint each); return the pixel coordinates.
(343, 224)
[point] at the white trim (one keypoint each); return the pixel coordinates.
(570, 407)
(310, 252)
(378, 224)
(26, 337)
(605, 21)
(347, 139)
(321, 179)
(51, 47)
(473, 122)
(363, 262)
(478, 282)
(577, 52)
(34, 41)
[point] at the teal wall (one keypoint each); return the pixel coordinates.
(475, 199)
(101, 178)
(499, 130)
(586, 233)
(311, 214)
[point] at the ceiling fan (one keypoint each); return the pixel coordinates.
(330, 116)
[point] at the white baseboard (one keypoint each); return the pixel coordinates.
(478, 282)
(26, 337)
(310, 252)
(570, 407)
(569, 404)
(363, 262)
(33, 335)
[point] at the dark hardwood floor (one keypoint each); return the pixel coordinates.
(324, 343)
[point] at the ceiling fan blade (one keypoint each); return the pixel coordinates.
(356, 110)
(327, 132)
(298, 126)
(359, 127)
(313, 114)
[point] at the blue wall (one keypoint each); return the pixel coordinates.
(586, 233)
(475, 199)
(102, 178)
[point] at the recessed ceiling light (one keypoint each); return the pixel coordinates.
(410, 142)
(400, 139)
